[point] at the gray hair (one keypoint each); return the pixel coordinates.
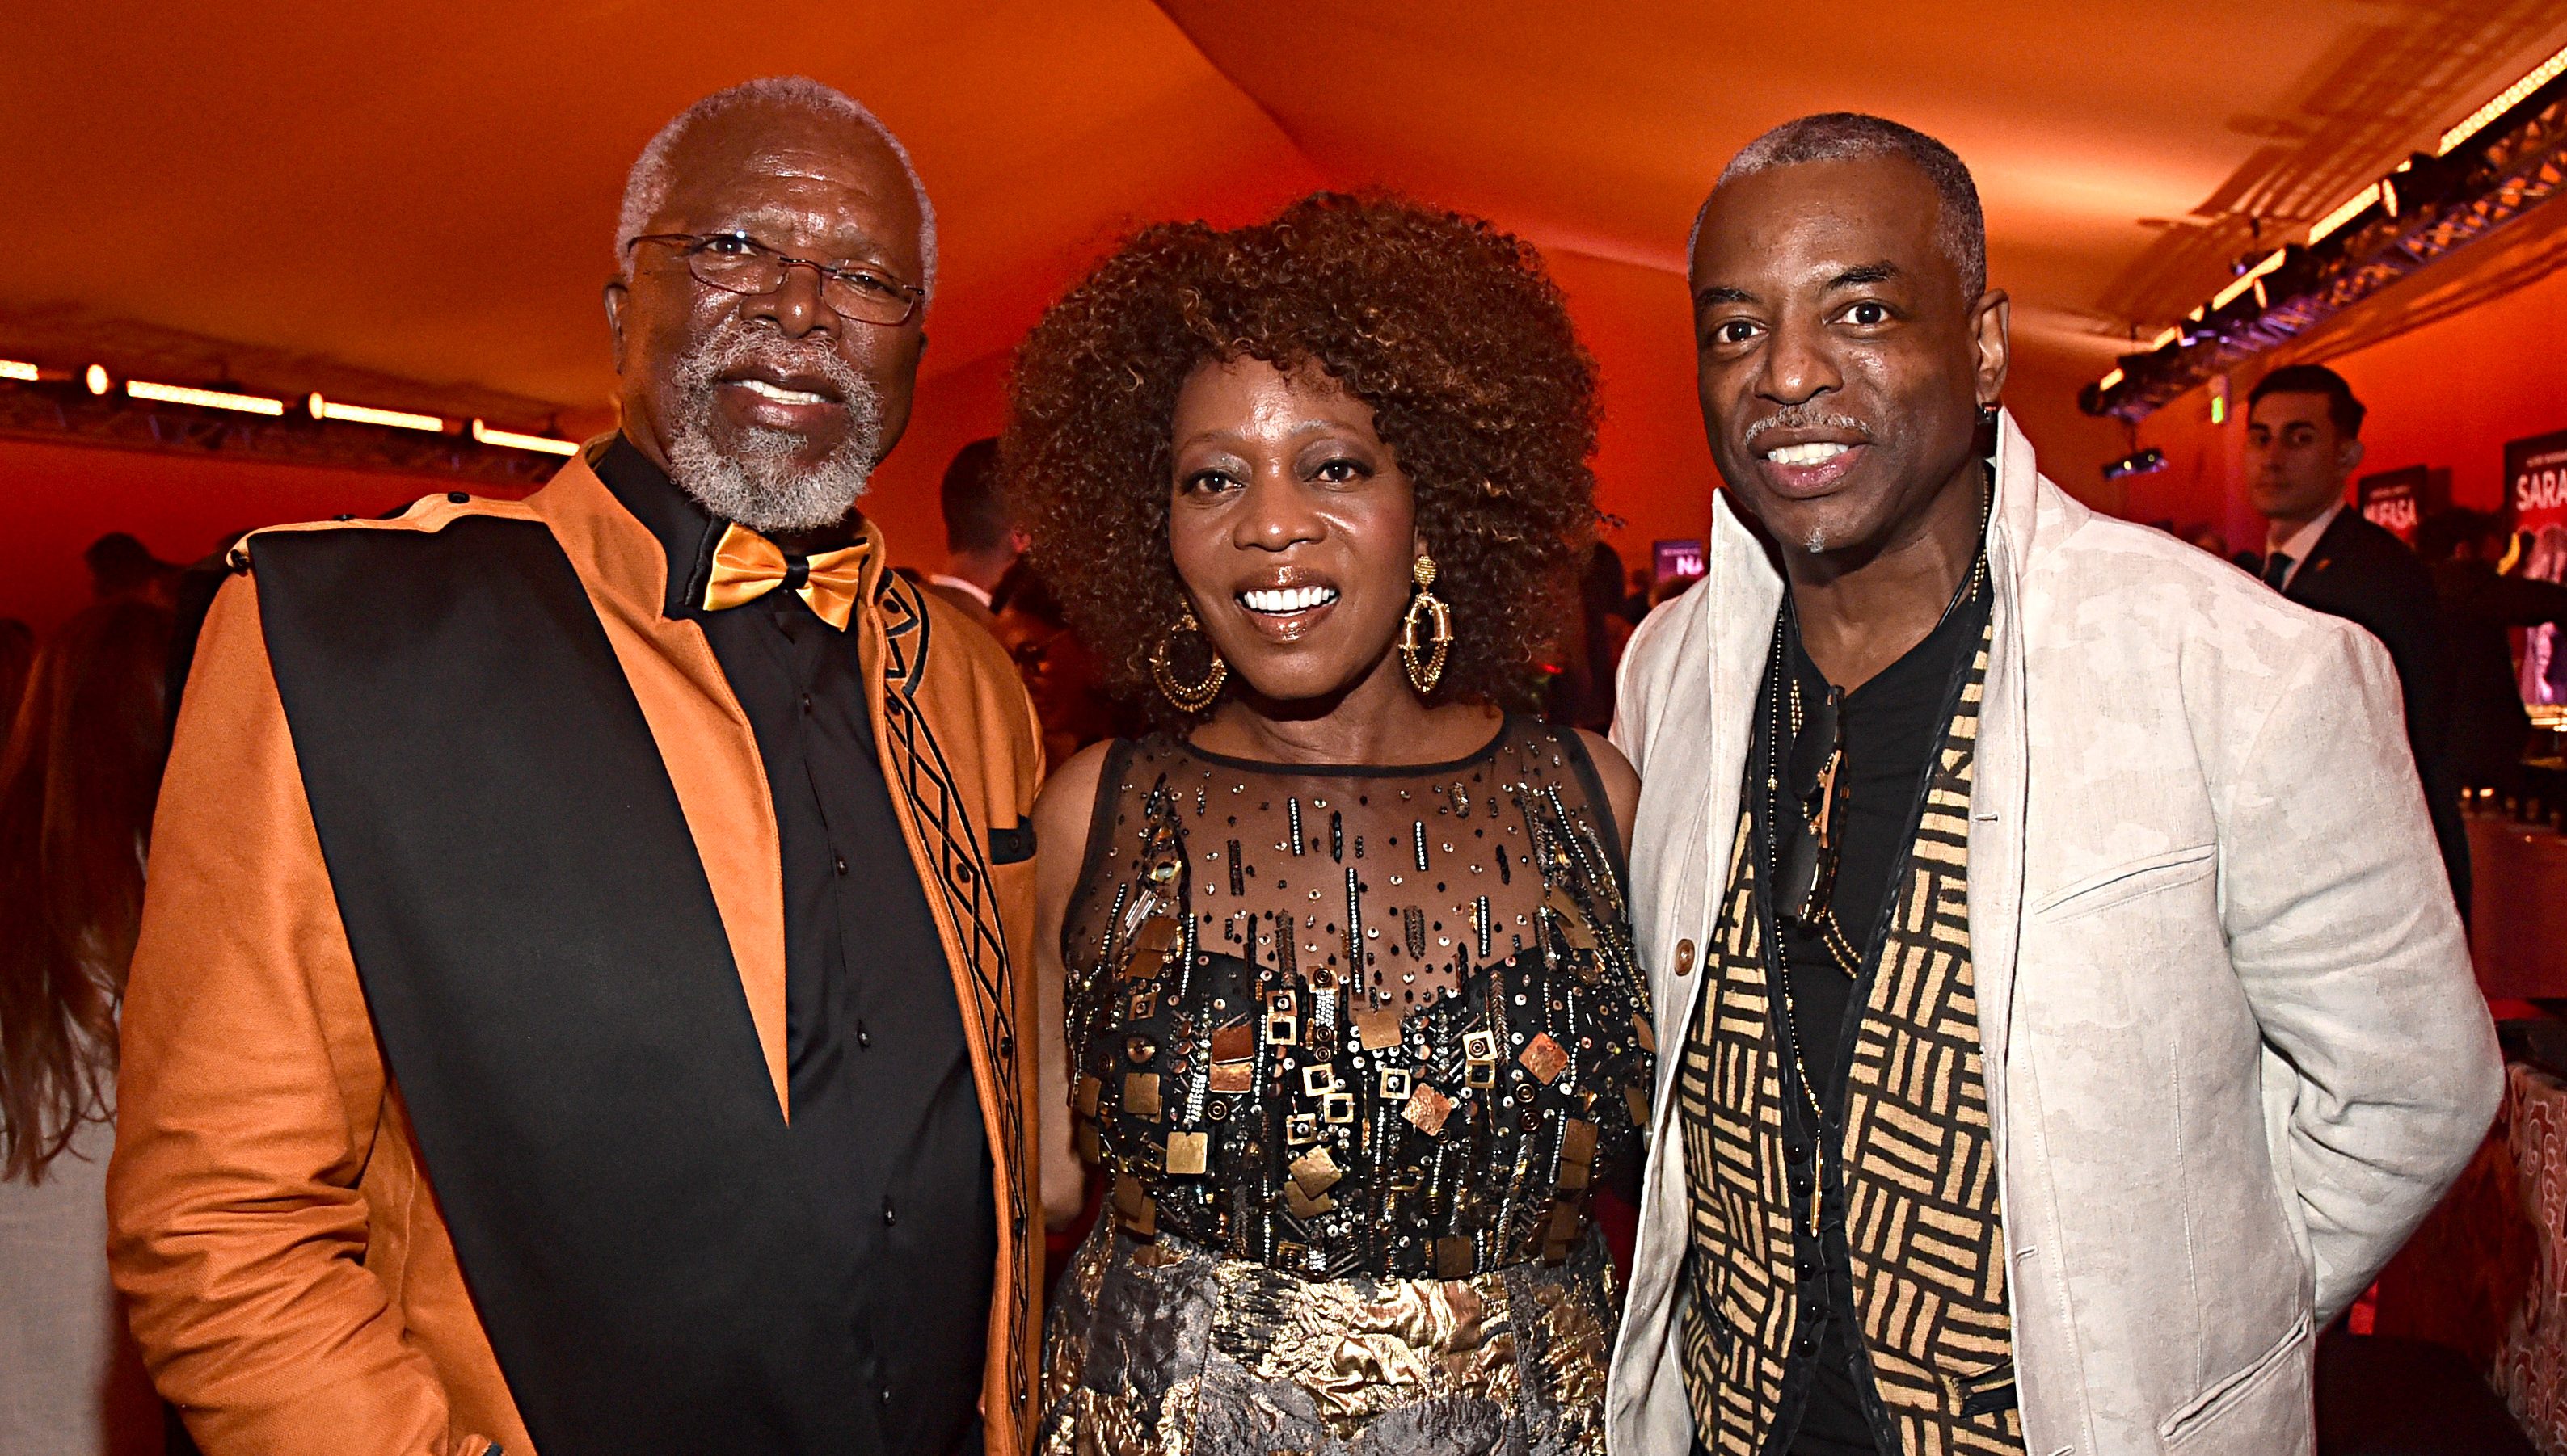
(1959, 229)
(646, 185)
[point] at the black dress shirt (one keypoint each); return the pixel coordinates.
(880, 1078)
(1891, 726)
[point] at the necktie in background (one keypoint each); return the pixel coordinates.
(2277, 568)
(748, 566)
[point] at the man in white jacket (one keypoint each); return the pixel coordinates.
(2053, 1036)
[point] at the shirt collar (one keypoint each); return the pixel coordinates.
(686, 533)
(970, 589)
(2300, 543)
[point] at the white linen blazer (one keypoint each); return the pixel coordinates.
(2234, 1048)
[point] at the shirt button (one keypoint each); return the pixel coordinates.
(885, 1397)
(1805, 1346)
(806, 705)
(841, 862)
(887, 1217)
(1684, 957)
(864, 1038)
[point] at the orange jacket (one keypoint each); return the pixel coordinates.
(271, 1223)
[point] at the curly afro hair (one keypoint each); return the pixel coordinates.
(1449, 330)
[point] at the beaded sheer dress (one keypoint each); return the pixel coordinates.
(1352, 1044)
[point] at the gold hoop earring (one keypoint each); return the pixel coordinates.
(1189, 698)
(1425, 659)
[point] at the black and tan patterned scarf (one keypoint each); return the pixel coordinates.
(1922, 1222)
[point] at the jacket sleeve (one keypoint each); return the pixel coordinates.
(2354, 962)
(249, 1098)
(2528, 601)
(1635, 682)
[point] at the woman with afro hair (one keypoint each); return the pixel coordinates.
(1353, 1024)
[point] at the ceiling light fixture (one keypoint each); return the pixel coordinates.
(2540, 75)
(2448, 199)
(2247, 280)
(201, 399)
(95, 378)
(18, 368)
(367, 414)
(2351, 209)
(514, 441)
(2137, 462)
(2170, 336)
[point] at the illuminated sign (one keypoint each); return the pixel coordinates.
(1675, 559)
(2535, 496)
(2397, 500)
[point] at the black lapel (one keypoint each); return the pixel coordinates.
(550, 981)
(2332, 542)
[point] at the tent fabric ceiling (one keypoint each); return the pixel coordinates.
(425, 192)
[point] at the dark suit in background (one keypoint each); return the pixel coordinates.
(2362, 574)
(2488, 725)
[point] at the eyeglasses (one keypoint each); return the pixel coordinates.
(737, 263)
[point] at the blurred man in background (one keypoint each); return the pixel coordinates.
(120, 565)
(980, 543)
(2302, 444)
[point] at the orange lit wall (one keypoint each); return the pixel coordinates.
(2447, 394)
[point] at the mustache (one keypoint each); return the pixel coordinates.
(1800, 417)
(736, 345)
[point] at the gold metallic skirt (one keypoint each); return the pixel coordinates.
(1162, 1349)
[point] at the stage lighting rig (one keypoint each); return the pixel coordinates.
(2506, 158)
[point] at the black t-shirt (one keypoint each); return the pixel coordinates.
(883, 1107)
(1891, 726)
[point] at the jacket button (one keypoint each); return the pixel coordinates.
(1684, 957)
(841, 862)
(887, 1218)
(864, 1037)
(1007, 1047)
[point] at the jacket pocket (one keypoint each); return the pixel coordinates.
(2263, 1408)
(1011, 845)
(2127, 881)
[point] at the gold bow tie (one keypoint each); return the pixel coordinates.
(748, 566)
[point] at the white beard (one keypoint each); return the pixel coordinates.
(758, 482)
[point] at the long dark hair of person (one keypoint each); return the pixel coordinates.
(77, 785)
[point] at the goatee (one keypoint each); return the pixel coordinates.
(757, 478)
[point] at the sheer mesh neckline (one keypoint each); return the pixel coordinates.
(1286, 769)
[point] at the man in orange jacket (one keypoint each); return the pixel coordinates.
(575, 1009)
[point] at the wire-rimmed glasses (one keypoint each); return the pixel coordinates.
(737, 263)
